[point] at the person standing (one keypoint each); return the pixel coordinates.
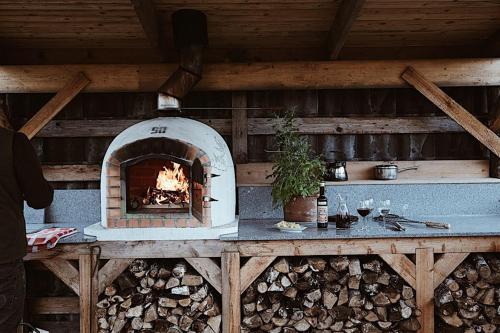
(21, 179)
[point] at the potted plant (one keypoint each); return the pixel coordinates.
(296, 173)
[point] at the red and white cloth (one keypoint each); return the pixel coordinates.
(47, 238)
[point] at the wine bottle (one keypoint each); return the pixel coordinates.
(322, 203)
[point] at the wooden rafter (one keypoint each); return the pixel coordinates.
(209, 270)
(449, 106)
(342, 24)
(252, 269)
(403, 266)
(445, 265)
(254, 76)
(65, 271)
(145, 12)
(56, 104)
(110, 271)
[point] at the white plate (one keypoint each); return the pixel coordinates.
(300, 229)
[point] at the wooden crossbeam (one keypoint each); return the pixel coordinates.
(231, 312)
(239, 127)
(146, 14)
(110, 271)
(403, 266)
(347, 13)
(53, 305)
(56, 104)
(254, 76)
(209, 270)
(252, 269)
(424, 288)
(445, 265)
(65, 271)
(449, 106)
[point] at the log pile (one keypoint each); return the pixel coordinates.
(469, 299)
(338, 294)
(158, 298)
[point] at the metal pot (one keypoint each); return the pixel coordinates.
(389, 171)
(336, 171)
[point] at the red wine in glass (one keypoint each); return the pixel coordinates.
(364, 212)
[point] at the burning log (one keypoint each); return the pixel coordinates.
(153, 298)
(342, 294)
(469, 300)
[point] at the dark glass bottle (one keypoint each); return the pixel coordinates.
(322, 208)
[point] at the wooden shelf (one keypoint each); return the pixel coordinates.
(417, 181)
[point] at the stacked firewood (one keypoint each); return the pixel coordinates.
(469, 299)
(342, 294)
(156, 298)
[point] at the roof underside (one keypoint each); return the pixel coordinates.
(247, 30)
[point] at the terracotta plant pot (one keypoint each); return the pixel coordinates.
(301, 209)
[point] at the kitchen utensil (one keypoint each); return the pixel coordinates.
(389, 171)
(336, 170)
(429, 224)
(396, 226)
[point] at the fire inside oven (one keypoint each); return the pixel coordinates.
(157, 186)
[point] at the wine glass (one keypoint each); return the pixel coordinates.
(364, 208)
(385, 208)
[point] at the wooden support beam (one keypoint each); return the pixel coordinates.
(53, 305)
(209, 270)
(347, 13)
(56, 104)
(65, 271)
(145, 12)
(240, 127)
(252, 269)
(403, 266)
(445, 265)
(86, 305)
(231, 314)
(425, 288)
(449, 106)
(72, 173)
(110, 271)
(254, 76)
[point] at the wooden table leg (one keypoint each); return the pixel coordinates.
(425, 288)
(230, 292)
(85, 271)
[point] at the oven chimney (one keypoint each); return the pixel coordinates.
(190, 38)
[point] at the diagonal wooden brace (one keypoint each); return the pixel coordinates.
(403, 266)
(209, 270)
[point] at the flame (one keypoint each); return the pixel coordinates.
(172, 180)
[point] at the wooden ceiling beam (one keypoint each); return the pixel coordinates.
(342, 24)
(254, 76)
(145, 11)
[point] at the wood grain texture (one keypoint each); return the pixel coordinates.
(72, 173)
(110, 271)
(239, 127)
(342, 24)
(231, 313)
(86, 302)
(146, 14)
(56, 104)
(254, 76)
(403, 266)
(425, 288)
(252, 269)
(449, 106)
(445, 265)
(53, 305)
(209, 270)
(65, 271)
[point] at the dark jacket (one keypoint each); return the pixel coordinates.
(21, 178)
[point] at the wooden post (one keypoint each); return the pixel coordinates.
(449, 106)
(231, 316)
(56, 104)
(240, 127)
(495, 127)
(425, 288)
(85, 265)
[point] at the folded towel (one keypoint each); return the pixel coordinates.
(47, 238)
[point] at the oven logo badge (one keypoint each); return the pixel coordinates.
(158, 130)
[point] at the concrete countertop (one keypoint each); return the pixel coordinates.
(477, 225)
(256, 230)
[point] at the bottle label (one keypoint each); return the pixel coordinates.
(322, 214)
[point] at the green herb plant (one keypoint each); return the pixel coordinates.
(296, 171)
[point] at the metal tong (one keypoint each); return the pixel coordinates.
(429, 224)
